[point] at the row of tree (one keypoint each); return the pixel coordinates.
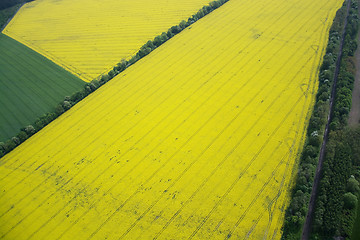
(335, 209)
(69, 101)
(296, 212)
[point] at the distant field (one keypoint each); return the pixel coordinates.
(88, 37)
(198, 140)
(31, 86)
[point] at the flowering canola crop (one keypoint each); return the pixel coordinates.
(89, 37)
(198, 140)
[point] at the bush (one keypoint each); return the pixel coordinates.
(111, 74)
(9, 145)
(183, 24)
(297, 210)
(66, 105)
(352, 185)
(59, 109)
(350, 201)
(16, 140)
(22, 136)
(29, 130)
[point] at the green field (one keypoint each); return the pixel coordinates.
(31, 85)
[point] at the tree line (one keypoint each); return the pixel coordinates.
(300, 195)
(70, 101)
(337, 200)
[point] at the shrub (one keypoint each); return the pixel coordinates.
(350, 201)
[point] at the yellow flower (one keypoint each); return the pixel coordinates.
(199, 139)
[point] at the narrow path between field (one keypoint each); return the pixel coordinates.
(307, 224)
(354, 116)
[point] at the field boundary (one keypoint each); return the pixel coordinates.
(307, 226)
(92, 86)
(295, 215)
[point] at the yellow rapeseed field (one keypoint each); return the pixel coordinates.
(89, 37)
(198, 140)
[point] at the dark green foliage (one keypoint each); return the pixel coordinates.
(2, 149)
(121, 66)
(352, 185)
(6, 14)
(9, 145)
(111, 74)
(169, 34)
(59, 109)
(7, 10)
(158, 41)
(144, 50)
(175, 29)
(337, 170)
(335, 209)
(356, 229)
(104, 79)
(346, 78)
(297, 210)
(315, 141)
(22, 136)
(350, 201)
(66, 105)
(29, 130)
(164, 37)
(76, 97)
(134, 59)
(336, 200)
(16, 140)
(215, 4)
(183, 24)
(9, 3)
(44, 120)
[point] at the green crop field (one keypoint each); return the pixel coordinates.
(31, 86)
